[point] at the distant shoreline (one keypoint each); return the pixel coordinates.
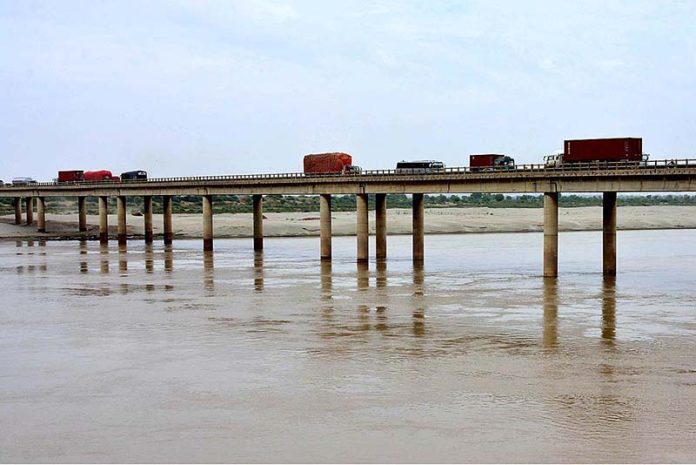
(306, 224)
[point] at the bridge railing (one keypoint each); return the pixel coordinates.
(666, 164)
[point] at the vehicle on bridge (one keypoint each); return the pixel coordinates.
(134, 175)
(23, 181)
(622, 149)
(330, 163)
(490, 162)
(71, 176)
(419, 166)
(100, 175)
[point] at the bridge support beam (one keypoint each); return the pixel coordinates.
(147, 218)
(207, 223)
(325, 225)
(418, 228)
(362, 228)
(82, 213)
(551, 234)
(121, 214)
(18, 210)
(258, 222)
(381, 226)
(609, 234)
(167, 217)
(41, 214)
(29, 207)
(104, 220)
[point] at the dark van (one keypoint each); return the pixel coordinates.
(133, 175)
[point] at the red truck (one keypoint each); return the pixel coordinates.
(71, 176)
(100, 175)
(620, 149)
(330, 163)
(490, 161)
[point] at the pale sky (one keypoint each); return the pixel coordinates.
(222, 87)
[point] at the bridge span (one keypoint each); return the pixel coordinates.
(609, 178)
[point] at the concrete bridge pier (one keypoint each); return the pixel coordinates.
(550, 234)
(18, 210)
(418, 228)
(103, 220)
(147, 218)
(82, 213)
(41, 214)
(325, 225)
(362, 228)
(381, 226)
(609, 233)
(167, 217)
(29, 207)
(121, 215)
(258, 222)
(207, 223)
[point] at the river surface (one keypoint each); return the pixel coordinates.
(171, 355)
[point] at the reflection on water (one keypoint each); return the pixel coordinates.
(431, 362)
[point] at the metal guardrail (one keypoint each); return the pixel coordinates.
(530, 168)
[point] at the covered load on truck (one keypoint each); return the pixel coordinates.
(620, 149)
(490, 161)
(330, 163)
(100, 175)
(71, 176)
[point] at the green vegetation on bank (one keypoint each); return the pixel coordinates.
(305, 203)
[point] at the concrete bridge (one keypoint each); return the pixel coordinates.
(609, 178)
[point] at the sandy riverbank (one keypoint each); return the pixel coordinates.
(437, 221)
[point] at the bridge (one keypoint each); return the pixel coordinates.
(609, 178)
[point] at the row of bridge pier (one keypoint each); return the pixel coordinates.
(550, 259)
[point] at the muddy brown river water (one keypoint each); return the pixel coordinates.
(171, 355)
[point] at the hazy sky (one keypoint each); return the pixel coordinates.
(223, 87)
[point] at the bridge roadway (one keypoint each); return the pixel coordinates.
(676, 175)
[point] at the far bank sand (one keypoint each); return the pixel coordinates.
(437, 221)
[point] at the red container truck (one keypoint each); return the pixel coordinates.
(71, 176)
(330, 163)
(621, 149)
(490, 161)
(100, 175)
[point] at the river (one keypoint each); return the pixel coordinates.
(169, 355)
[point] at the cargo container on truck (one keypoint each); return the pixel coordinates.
(490, 162)
(330, 163)
(620, 149)
(71, 176)
(100, 175)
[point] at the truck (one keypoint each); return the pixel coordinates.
(618, 149)
(100, 175)
(71, 176)
(490, 162)
(330, 163)
(134, 175)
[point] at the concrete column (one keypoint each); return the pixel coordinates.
(29, 207)
(258, 222)
(104, 220)
(362, 228)
(381, 226)
(147, 217)
(41, 214)
(418, 228)
(121, 214)
(609, 233)
(82, 213)
(550, 234)
(167, 213)
(325, 225)
(207, 222)
(18, 210)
